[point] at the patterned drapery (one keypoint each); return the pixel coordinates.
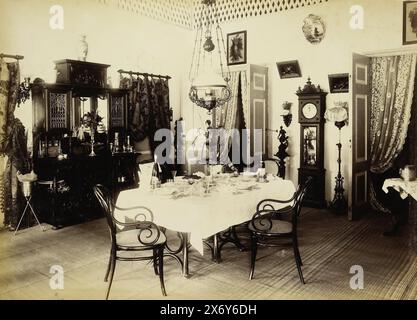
(9, 88)
(149, 107)
(13, 142)
(245, 99)
(225, 116)
(392, 95)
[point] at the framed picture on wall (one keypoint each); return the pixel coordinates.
(289, 69)
(339, 83)
(236, 48)
(409, 22)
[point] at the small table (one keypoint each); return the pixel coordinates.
(406, 189)
(198, 215)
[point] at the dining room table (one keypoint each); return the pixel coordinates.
(200, 207)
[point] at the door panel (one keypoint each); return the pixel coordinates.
(258, 104)
(360, 115)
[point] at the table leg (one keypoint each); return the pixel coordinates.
(216, 251)
(185, 243)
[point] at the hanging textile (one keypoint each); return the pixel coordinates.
(392, 95)
(226, 115)
(13, 142)
(149, 107)
(9, 88)
(246, 113)
(162, 109)
(138, 108)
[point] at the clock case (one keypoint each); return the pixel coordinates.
(315, 196)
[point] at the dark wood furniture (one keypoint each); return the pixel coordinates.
(140, 236)
(266, 226)
(64, 193)
(312, 104)
(66, 173)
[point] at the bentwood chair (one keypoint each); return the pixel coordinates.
(271, 166)
(267, 226)
(141, 236)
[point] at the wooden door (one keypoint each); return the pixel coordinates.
(258, 102)
(360, 135)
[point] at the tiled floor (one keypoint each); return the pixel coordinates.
(329, 246)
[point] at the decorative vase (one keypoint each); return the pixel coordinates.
(83, 49)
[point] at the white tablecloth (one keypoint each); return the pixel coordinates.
(202, 215)
(405, 188)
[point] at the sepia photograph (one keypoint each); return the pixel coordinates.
(149, 152)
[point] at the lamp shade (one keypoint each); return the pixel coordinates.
(209, 89)
(336, 114)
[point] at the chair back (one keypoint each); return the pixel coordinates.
(105, 199)
(266, 212)
(271, 166)
(300, 194)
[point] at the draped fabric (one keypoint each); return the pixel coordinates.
(13, 142)
(18, 160)
(392, 95)
(138, 108)
(245, 99)
(9, 88)
(149, 107)
(226, 115)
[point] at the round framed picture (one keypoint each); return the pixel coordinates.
(314, 29)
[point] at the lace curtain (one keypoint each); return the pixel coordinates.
(392, 95)
(226, 116)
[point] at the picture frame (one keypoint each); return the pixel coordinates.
(289, 69)
(409, 22)
(339, 83)
(237, 48)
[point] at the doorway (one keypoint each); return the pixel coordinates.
(388, 120)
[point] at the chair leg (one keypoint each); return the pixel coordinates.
(298, 251)
(113, 267)
(254, 249)
(109, 265)
(161, 269)
(155, 261)
(297, 261)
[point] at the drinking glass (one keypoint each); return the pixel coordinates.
(174, 173)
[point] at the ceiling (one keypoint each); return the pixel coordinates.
(185, 13)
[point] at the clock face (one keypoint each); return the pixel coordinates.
(309, 110)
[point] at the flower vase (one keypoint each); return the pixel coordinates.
(83, 49)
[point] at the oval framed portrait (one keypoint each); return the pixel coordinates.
(314, 29)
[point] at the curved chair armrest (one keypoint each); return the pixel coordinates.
(149, 233)
(126, 224)
(267, 203)
(264, 221)
(146, 219)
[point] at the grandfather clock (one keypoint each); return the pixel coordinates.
(312, 104)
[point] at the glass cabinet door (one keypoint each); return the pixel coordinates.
(310, 146)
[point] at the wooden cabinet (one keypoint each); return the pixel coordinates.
(81, 73)
(117, 112)
(66, 194)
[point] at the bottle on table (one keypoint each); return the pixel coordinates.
(156, 174)
(116, 142)
(128, 146)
